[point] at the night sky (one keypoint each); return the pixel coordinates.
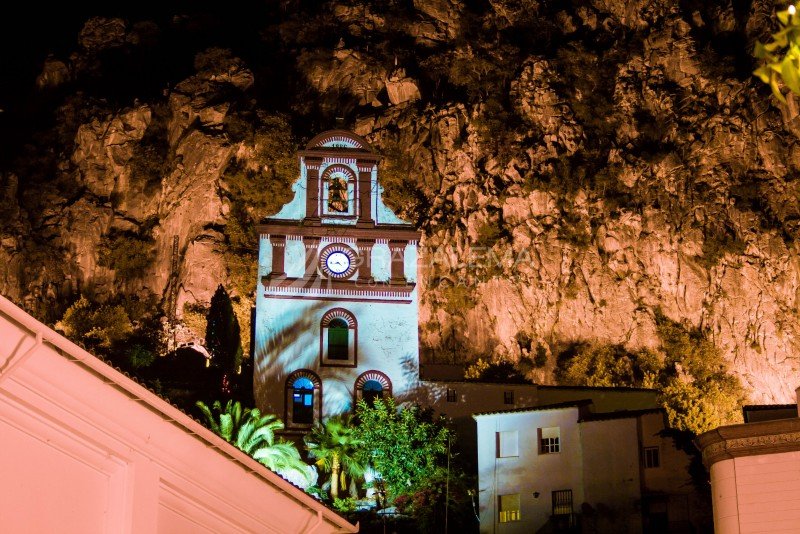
(35, 31)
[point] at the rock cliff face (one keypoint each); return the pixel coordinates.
(574, 169)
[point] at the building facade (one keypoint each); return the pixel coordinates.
(565, 467)
(337, 303)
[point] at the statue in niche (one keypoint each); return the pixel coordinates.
(337, 195)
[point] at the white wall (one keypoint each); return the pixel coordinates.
(288, 338)
(611, 475)
(529, 472)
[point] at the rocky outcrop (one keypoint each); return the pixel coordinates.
(575, 170)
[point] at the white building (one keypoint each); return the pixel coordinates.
(86, 449)
(563, 467)
(755, 472)
(337, 302)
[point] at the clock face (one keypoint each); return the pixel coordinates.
(337, 262)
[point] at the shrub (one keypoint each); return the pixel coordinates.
(263, 183)
(458, 299)
(540, 357)
(718, 241)
(501, 371)
(608, 366)
(695, 388)
(127, 253)
(95, 325)
(194, 317)
(401, 191)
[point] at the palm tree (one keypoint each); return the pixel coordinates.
(254, 433)
(335, 445)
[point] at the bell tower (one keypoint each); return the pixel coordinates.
(337, 304)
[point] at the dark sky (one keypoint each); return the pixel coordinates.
(36, 30)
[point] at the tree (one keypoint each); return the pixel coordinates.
(254, 433)
(336, 446)
(99, 326)
(406, 446)
(782, 55)
(223, 338)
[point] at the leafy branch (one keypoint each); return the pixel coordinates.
(782, 55)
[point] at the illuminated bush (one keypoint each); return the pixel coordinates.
(129, 254)
(695, 388)
(95, 325)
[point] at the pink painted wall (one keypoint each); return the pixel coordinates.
(84, 449)
(757, 494)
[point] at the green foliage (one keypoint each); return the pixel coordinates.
(337, 448)
(262, 182)
(122, 330)
(609, 366)
(574, 230)
(242, 262)
(718, 241)
(258, 185)
(458, 299)
(476, 370)
(254, 433)
(140, 356)
(401, 192)
(488, 234)
(497, 130)
(695, 388)
(129, 254)
(96, 325)
(540, 356)
(500, 371)
(222, 333)
(781, 56)
(195, 317)
(346, 505)
(406, 446)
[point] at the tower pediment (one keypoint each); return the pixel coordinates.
(339, 185)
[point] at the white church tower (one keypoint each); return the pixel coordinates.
(337, 303)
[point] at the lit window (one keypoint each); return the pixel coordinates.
(507, 444)
(562, 502)
(508, 397)
(651, 457)
(451, 395)
(549, 440)
(338, 339)
(302, 401)
(509, 508)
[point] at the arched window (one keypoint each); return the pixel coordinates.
(338, 341)
(372, 390)
(372, 385)
(303, 399)
(338, 333)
